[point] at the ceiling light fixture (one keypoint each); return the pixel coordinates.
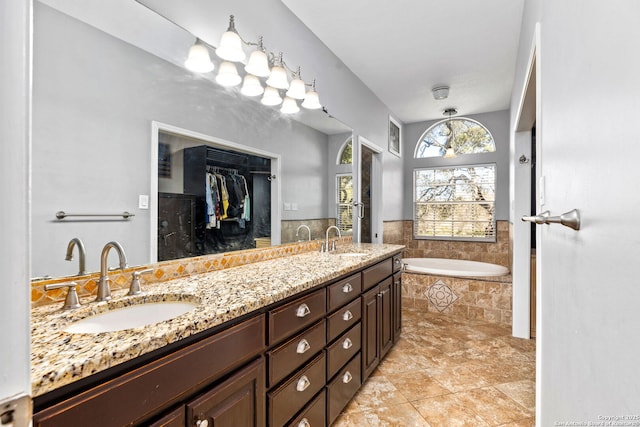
(450, 153)
(440, 92)
(261, 64)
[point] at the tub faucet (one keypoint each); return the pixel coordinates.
(304, 226)
(81, 254)
(326, 242)
(104, 291)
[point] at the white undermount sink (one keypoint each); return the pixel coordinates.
(133, 316)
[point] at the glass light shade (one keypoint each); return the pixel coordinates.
(228, 75)
(271, 96)
(311, 100)
(289, 106)
(258, 64)
(296, 89)
(251, 86)
(278, 78)
(198, 59)
(449, 154)
(230, 47)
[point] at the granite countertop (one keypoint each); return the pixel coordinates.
(59, 358)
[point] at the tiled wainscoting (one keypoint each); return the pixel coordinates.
(488, 299)
(318, 229)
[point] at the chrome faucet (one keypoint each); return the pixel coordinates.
(81, 254)
(304, 226)
(326, 242)
(104, 291)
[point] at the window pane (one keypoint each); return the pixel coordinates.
(464, 135)
(455, 203)
(344, 199)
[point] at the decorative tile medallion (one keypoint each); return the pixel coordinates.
(441, 295)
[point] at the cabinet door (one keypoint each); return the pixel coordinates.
(174, 418)
(385, 317)
(237, 402)
(370, 336)
(396, 295)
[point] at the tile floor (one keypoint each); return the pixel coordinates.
(448, 372)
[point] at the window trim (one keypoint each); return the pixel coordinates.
(491, 239)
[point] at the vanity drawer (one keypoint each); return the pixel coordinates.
(290, 318)
(293, 395)
(343, 319)
(343, 387)
(397, 263)
(342, 350)
(343, 291)
(314, 415)
(289, 356)
(372, 275)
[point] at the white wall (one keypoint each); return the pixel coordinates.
(15, 91)
(587, 135)
(497, 123)
(92, 134)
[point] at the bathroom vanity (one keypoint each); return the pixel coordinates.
(287, 341)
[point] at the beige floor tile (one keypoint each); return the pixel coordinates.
(492, 405)
(447, 411)
(402, 415)
(459, 378)
(523, 392)
(400, 361)
(527, 422)
(416, 385)
(351, 419)
(375, 393)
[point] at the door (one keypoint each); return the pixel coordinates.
(367, 205)
(15, 133)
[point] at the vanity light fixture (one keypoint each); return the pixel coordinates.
(271, 96)
(198, 59)
(289, 106)
(228, 75)
(311, 99)
(230, 50)
(251, 86)
(297, 87)
(230, 47)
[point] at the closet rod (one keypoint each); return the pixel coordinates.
(217, 168)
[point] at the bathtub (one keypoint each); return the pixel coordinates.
(453, 267)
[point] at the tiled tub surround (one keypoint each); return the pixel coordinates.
(487, 298)
(401, 233)
(168, 270)
(60, 358)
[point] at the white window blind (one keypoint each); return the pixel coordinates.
(455, 203)
(344, 202)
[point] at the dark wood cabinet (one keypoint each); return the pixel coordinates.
(237, 402)
(295, 363)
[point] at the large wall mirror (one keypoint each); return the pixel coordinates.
(96, 97)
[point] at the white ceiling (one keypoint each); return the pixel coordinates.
(401, 49)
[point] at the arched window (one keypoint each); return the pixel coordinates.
(346, 154)
(463, 135)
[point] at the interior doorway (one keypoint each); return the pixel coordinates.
(368, 203)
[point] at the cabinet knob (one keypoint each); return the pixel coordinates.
(347, 315)
(347, 344)
(303, 310)
(202, 423)
(303, 383)
(347, 288)
(303, 346)
(304, 423)
(347, 377)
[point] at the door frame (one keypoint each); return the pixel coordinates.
(376, 189)
(276, 186)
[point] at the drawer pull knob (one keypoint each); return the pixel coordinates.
(202, 423)
(303, 310)
(303, 346)
(304, 423)
(347, 315)
(303, 383)
(347, 344)
(347, 377)
(347, 288)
